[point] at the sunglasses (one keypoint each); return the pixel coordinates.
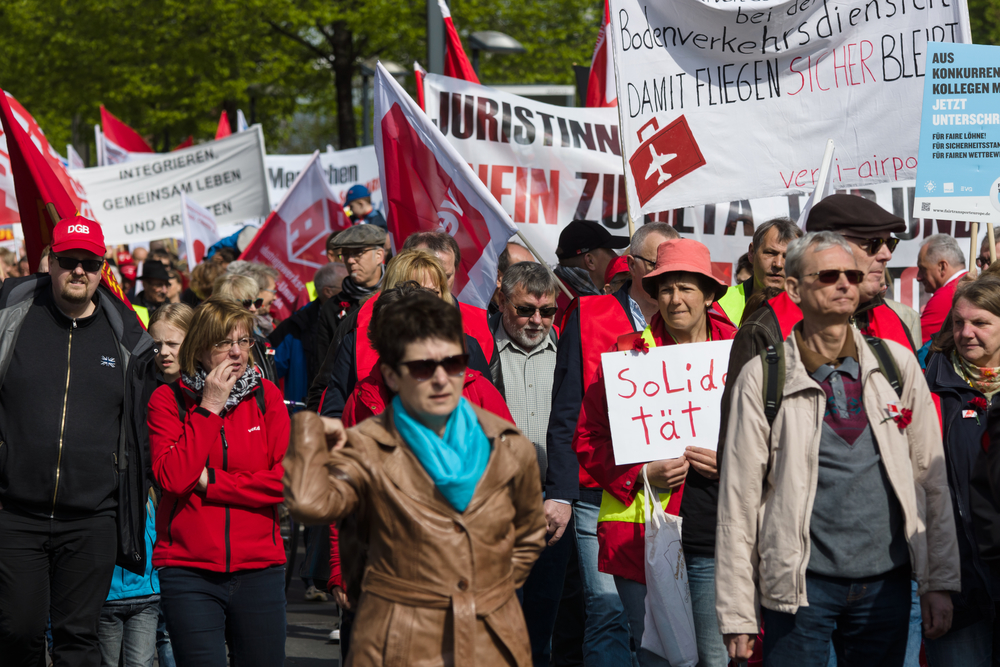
(830, 276)
(423, 369)
(872, 246)
(529, 311)
(70, 264)
(256, 304)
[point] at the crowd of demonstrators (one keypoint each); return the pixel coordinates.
(940, 265)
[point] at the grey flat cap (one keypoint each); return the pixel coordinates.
(359, 236)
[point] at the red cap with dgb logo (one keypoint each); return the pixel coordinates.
(78, 233)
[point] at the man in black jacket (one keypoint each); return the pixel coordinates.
(76, 371)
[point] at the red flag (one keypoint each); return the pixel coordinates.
(45, 192)
(224, 129)
(456, 63)
(418, 74)
(601, 84)
(427, 186)
(121, 135)
(293, 239)
(187, 143)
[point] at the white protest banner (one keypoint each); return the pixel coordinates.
(139, 201)
(343, 169)
(664, 400)
(546, 165)
(200, 231)
(732, 100)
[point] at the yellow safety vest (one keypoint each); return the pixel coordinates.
(733, 302)
(143, 314)
(311, 289)
(613, 509)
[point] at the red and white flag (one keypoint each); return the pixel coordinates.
(117, 140)
(200, 230)
(224, 130)
(428, 187)
(418, 74)
(456, 63)
(293, 238)
(601, 90)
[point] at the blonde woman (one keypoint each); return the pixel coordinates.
(168, 325)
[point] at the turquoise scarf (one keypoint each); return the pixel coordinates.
(456, 462)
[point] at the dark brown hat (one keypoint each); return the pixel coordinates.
(840, 212)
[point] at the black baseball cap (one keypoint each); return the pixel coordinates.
(582, 236)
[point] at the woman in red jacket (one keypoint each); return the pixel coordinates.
(217, 438)
(685, 289)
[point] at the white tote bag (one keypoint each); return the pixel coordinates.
(669, 631)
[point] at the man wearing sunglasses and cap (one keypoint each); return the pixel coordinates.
(76, 372)
(833, 493)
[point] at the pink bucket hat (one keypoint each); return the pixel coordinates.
(685, 255)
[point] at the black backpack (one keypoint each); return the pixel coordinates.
(258, 393)
(774, 373)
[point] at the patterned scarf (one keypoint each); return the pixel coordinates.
(578, 279)
(986, 380)
(243, 387)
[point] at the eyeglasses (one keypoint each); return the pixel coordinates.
(227, 345)
(649, 262)
(257, 303)
(70, 264)
(529, 311)
(423, 369)
(872, 246)
(347, 253)
(830, 276)
(983, 262)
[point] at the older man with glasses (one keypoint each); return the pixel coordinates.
(78, 373)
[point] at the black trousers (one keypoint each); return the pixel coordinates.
(58, 570)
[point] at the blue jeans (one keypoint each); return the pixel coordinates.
(205, 611)
(542, 593)
(972, 646)
(913, 642)
(127, 629)
(871, 616)
(701, 579)
(633, 595)
(164, 652)
(606, 635)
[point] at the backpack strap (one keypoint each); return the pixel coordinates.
(259, 395)
(179, 395)
(886, 363)
(774, 379)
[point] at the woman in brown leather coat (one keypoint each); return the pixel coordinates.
(448, 496)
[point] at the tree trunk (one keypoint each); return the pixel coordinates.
(343, 72)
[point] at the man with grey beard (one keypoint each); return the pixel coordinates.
(527, 347)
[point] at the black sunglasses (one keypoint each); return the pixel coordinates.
(70, 264)
(830, 276)
(423, 369)
(872, 246)
(529, 311)
(256, 304)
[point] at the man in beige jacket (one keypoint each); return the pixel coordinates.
(826, 515)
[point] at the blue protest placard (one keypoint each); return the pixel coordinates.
(958, 170)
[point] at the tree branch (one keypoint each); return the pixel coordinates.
(296, 38)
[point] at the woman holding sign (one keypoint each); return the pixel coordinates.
(685, 289)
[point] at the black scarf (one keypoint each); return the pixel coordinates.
(356, 292)
(243, 387)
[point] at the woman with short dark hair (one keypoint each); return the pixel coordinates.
(217, 437)
(447, 495)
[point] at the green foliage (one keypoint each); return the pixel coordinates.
(169, 67)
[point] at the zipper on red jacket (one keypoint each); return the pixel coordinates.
(225, 467)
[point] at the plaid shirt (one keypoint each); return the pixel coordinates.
(527, 381)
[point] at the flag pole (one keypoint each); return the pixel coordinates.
(993, 242)
(527, 244)
(973, 240)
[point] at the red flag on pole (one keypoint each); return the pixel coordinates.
(187, 143)
(45, 192)
(121, 135)
(601, 84)
(456, 63)
(418, 74)
(224, 129)
(293, 239)
(427, 186)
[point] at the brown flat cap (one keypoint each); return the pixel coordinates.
(839, 212)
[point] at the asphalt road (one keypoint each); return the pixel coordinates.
(309, 625)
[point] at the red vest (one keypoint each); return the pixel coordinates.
(365, 357)
(883, 322)
(602, 320)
